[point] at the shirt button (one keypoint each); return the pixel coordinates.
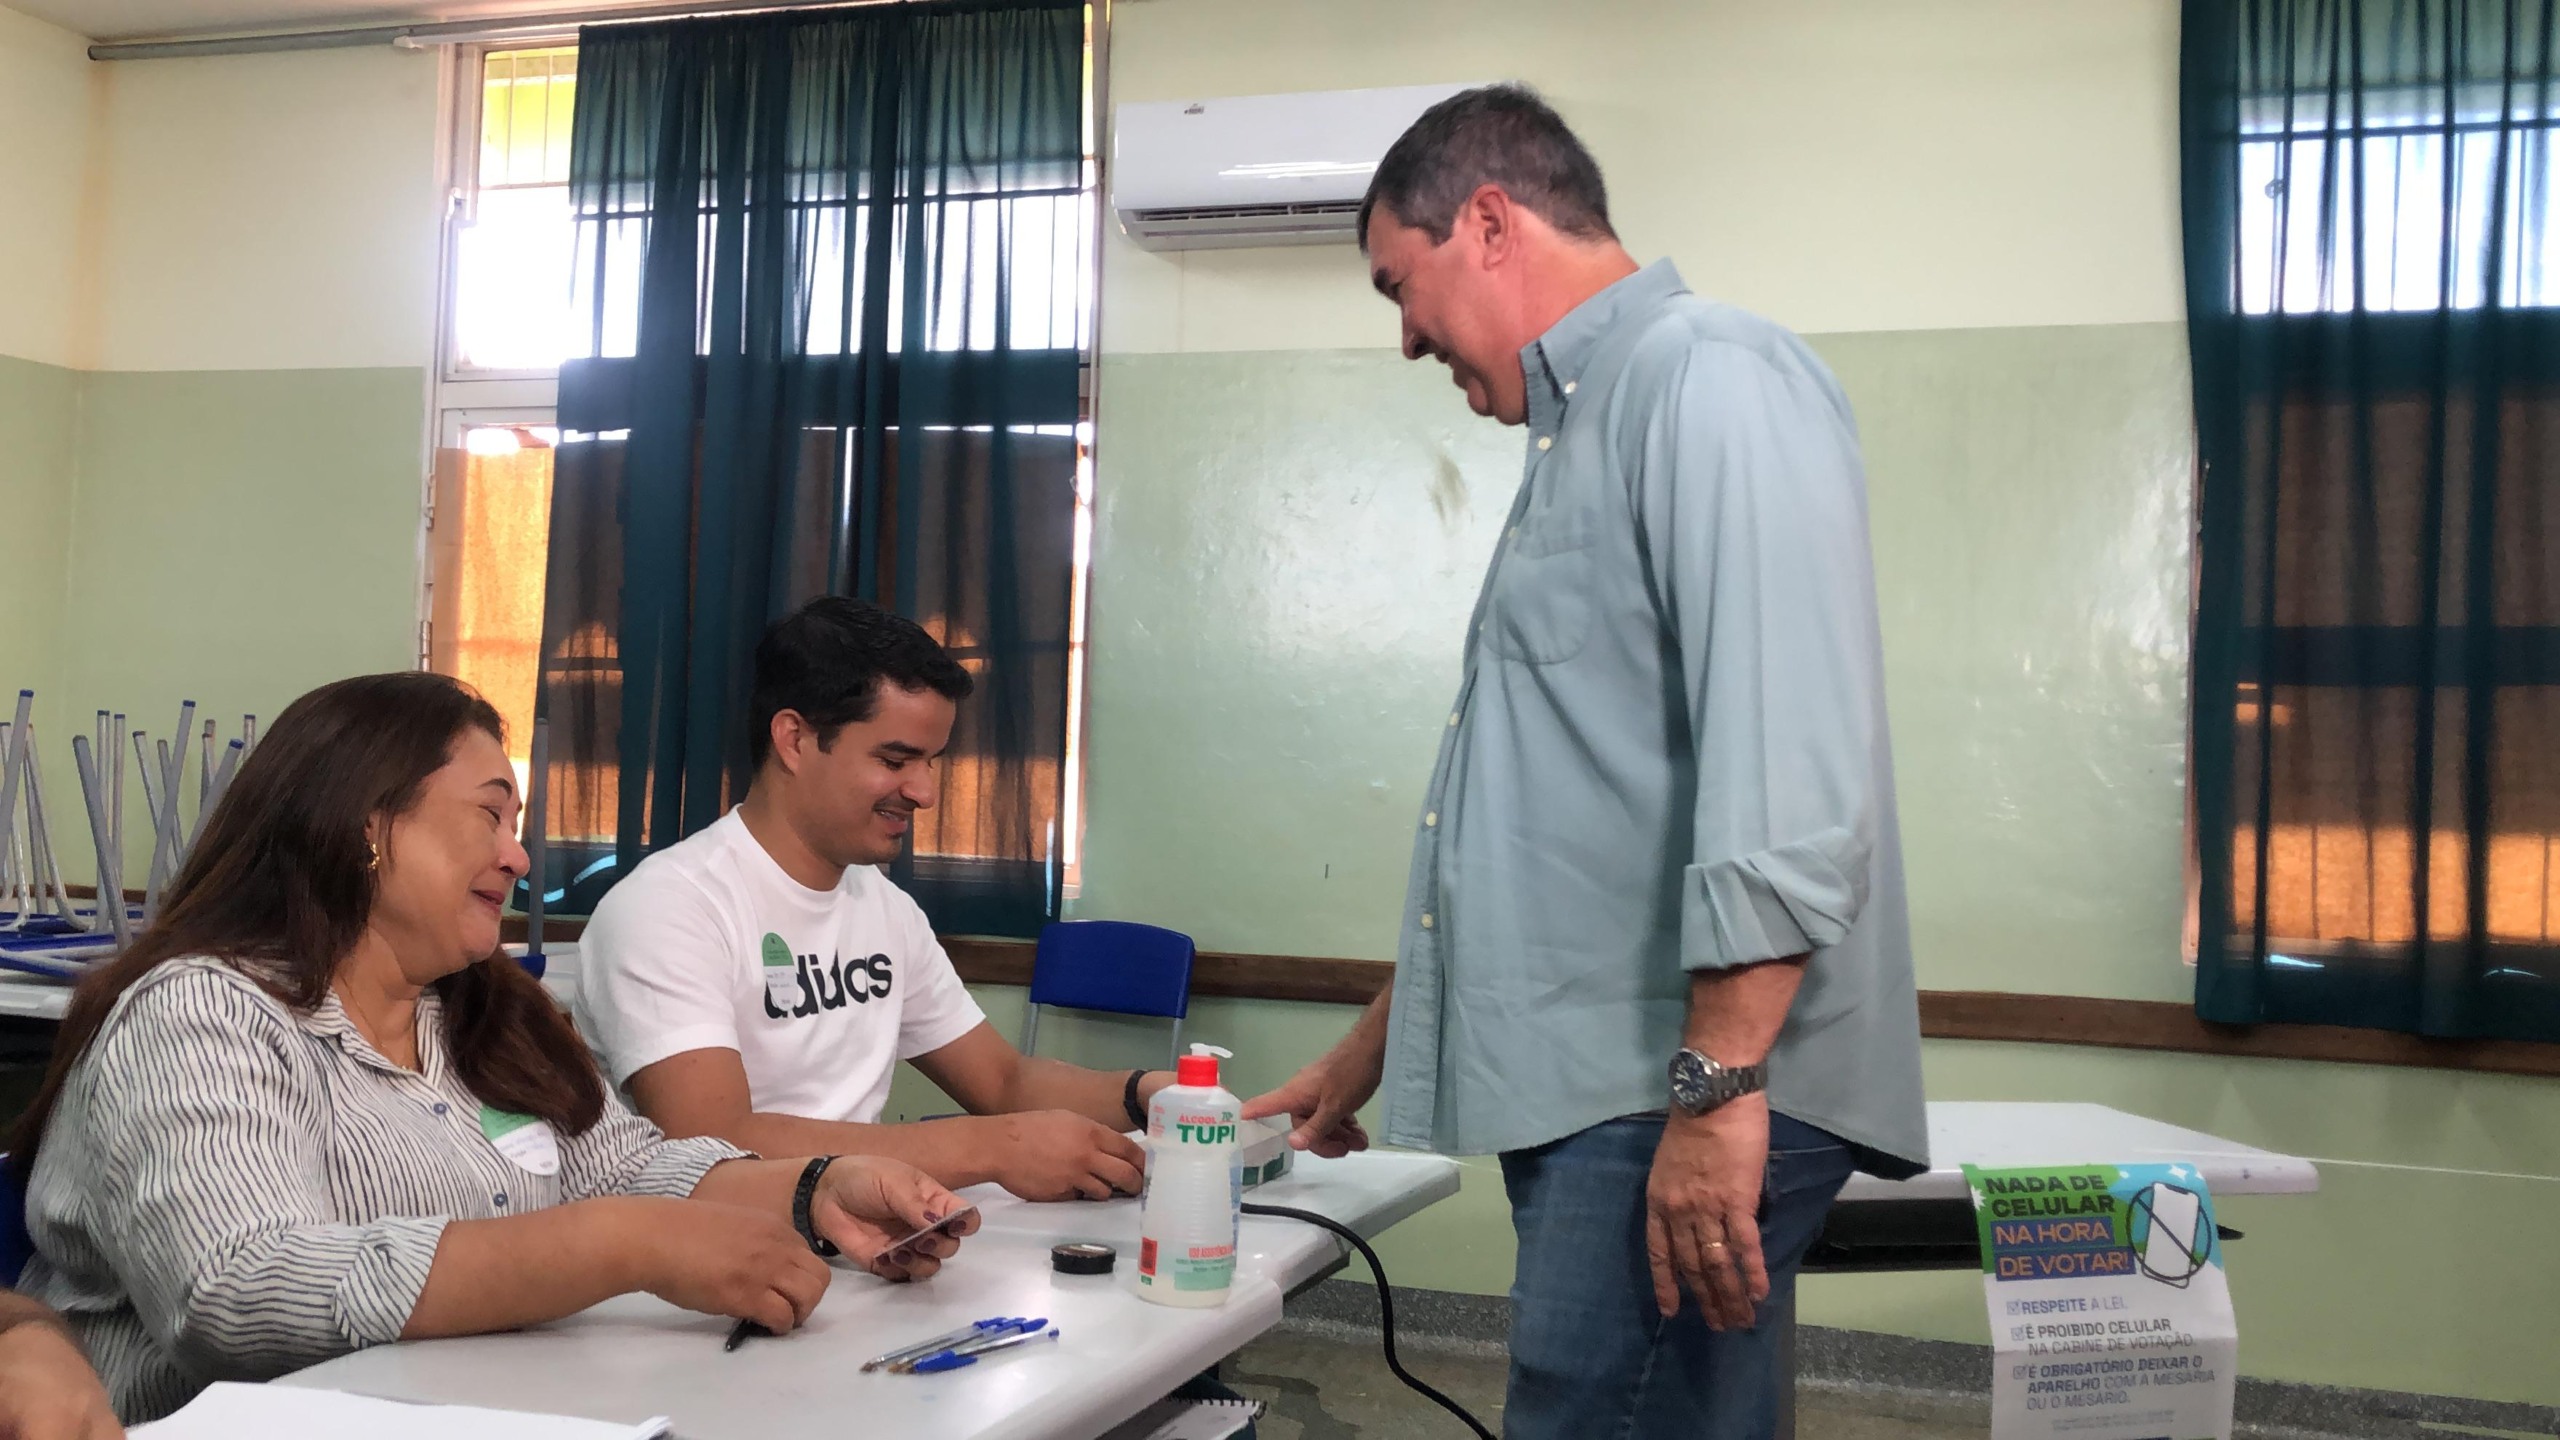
(1431, 819)
(1568, 387)
(1453, 719)
(442, 1108)
(1426, 919)
(1546, 440)
(499, 1199)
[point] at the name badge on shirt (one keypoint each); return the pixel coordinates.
(524, 1140)
(781, 974)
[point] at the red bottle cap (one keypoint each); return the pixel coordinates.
(1199, 1070)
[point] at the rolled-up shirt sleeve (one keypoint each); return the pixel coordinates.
(623, 1154)
(214, 1178)
(1752, 514)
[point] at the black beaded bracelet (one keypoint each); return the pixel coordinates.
(801, 1195)
(1129, 1101)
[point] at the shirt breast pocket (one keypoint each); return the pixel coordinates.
(1541, 609)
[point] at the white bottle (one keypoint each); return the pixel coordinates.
(1195, 1184)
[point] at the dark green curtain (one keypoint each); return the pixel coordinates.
(830, 263)
(2371, 283)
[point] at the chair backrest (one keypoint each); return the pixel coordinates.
(1113, 965)
(15, 1247)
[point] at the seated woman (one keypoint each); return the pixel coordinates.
(315, 1108)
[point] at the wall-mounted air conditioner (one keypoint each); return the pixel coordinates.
(1254, 169)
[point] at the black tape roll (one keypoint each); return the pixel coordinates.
(1083, 1259)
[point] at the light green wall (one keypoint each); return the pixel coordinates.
(1285, 551)
(232, 537)
(39, 412)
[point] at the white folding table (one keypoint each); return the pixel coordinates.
(1927, 1221)
(635, 1357)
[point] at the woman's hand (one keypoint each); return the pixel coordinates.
(867, 1203)
(47, 1391)
(731, 1260)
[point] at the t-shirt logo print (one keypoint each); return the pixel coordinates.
(807, 987)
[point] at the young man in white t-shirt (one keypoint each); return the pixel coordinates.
(760, 980)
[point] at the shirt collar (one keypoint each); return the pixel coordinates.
(1568, 345)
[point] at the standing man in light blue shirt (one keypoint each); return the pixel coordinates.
(1655, 951)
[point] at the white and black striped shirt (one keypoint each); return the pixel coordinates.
(230, 1189)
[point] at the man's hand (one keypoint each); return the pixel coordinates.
(1060, 1155)
(1702, 1212)
(47, 1391)
(1322, 1099)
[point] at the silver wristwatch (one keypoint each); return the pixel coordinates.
(1699, 1084)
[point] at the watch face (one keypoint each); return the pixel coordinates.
(1691, 1080)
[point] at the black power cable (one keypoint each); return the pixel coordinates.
(1386, 1309)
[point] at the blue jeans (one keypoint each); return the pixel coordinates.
(1591, 1358)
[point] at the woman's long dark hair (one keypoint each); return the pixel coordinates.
(281, 883)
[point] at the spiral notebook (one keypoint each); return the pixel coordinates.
(1189, 1420)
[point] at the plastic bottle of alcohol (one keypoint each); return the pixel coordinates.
(1195, 1184)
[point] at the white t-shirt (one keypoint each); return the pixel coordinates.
(710, 944)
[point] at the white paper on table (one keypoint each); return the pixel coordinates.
(1189, 1420)
(227, 1411)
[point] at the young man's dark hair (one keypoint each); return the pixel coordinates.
(827, 661)
(1493, 135)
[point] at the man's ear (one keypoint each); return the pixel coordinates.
(787, 733)
(1493, 221)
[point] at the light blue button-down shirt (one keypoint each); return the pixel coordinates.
(1668, 753)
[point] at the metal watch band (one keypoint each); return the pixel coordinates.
(1699, 1084)
(801, 1195)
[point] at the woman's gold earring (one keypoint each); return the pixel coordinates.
(372, 858)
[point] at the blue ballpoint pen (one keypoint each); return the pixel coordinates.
(954, 1359)
(906, 1364)
(1003, 1324)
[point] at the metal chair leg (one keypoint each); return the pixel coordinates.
(1030, 1028)
(1177, 1038)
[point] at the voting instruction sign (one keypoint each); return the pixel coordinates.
(2110, 1317)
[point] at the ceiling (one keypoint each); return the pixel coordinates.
(158, 19)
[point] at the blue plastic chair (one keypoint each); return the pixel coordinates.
(15, 1248)
(1112, 966)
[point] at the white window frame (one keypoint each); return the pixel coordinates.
(458, 395)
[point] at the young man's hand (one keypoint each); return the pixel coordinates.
(1060, 1155)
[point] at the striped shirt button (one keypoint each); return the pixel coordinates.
(499, 1199)
(442, 1108)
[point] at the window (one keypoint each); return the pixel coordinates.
(2349, 212)
(511, 238)
(528, 285)
(2375, 330)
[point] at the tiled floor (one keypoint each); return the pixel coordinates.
(1323, 1383)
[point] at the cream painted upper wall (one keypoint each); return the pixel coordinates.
(1834, 164)
(271, 212)
(47, 102)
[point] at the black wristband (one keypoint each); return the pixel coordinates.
(801, 1195)
(1129, 1100)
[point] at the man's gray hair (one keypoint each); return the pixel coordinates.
(1493, 135)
